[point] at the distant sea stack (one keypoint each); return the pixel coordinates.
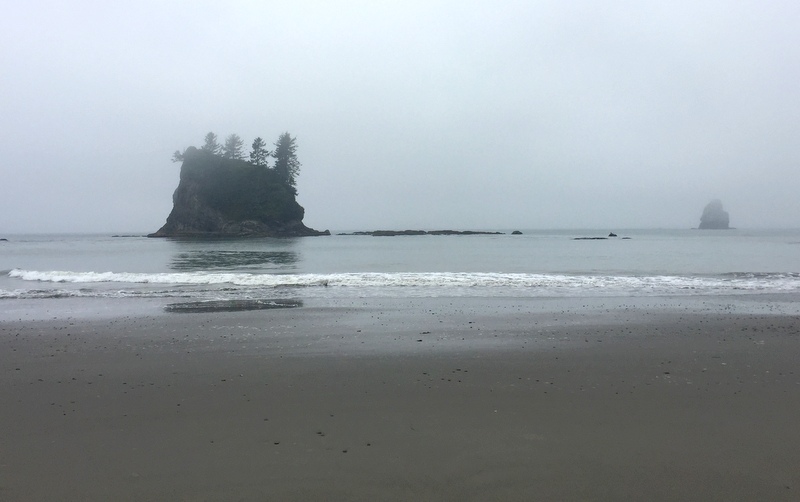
(219, 197)
(714, 217)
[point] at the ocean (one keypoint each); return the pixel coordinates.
(538, 264)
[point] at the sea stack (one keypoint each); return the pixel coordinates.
(219, 197)
(714, 217)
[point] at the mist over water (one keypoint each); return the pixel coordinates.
(480, 114)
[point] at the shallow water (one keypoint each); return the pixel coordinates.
(535, 264)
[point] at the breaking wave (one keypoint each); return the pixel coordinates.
(211, 284)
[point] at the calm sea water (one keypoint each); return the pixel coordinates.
(535, 264)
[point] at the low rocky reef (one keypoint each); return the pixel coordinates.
(611, 235)
(395, 233)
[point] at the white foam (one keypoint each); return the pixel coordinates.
(542, 283)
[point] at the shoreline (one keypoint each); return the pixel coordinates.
(426, 399)
(89, 308)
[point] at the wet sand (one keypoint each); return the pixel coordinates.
(406, 400)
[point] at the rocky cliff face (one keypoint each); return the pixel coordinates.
(714, 217)
(230, 198)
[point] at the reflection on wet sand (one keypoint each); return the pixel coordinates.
(231, 305)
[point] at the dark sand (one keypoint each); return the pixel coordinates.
(403, 400)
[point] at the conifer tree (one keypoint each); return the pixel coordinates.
(258, 157)
(211, 144)
(286, 163)
(177, 156)
(233, 147)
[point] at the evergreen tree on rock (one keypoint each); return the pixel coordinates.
(259, 155)
(286, 164)
(211, 145)
(233, 147)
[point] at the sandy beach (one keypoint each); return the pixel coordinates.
(414, 399)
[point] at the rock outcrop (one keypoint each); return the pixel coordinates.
(395, 233)
(714, 217)
(219, 197)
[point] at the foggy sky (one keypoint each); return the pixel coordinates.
(408, 114)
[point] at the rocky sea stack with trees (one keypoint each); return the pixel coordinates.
(222, 194)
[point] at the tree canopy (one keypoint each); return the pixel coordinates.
(211, 144)
(233, 147)
(259, 155)
(286, 164)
